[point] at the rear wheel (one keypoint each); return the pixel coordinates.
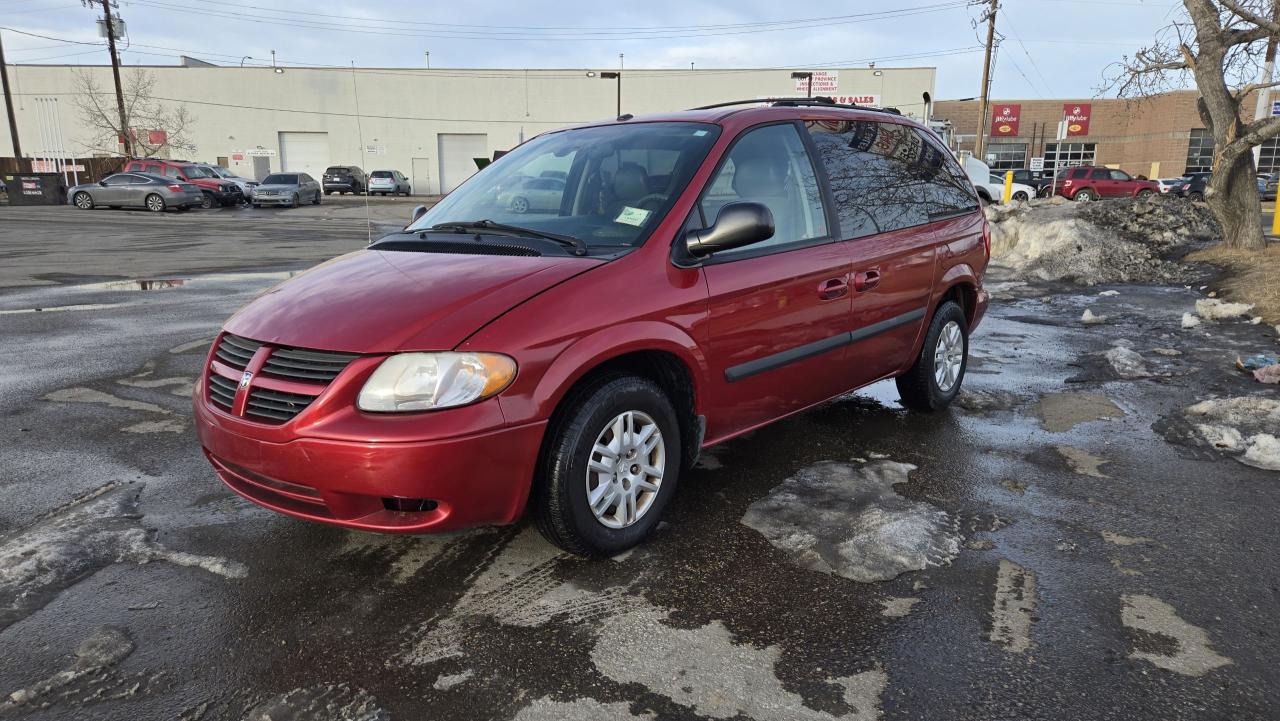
(935, 378)
(609, 466)
(1019, 195)
(316, 200)
(519, 205)
(83, 201)
(155, 203)
(206, 200)
(1196, 196)
(1145, 194)
(1086, 196)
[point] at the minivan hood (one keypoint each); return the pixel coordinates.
(384, 301)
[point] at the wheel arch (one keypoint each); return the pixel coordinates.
(960, 284)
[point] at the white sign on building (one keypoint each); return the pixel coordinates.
(825, 82)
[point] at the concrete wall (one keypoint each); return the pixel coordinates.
(403, 110)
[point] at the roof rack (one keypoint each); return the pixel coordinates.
(820, 101)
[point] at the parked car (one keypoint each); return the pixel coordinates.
(575, 363)
(1271, 186)
(1193, 185)
(995, 187)
(388, 181)
(532, 195)
(292, 189)
(989, 185)
(1086, 183)
(216, 190)
(1168, 185)
(244, 184)
(136, 190)
(344, 179)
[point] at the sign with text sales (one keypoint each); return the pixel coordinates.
(1077, 117)
(1004, 119)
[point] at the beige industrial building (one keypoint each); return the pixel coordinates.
(429, 124)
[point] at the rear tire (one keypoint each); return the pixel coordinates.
(927, 386)
(206, 200)
(1086, 196)
(1019, 196)
(1145, 194)
(317, 199)
(1195, 197)
(294, 204)
(574, 468)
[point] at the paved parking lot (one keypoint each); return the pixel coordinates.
(1042, 550)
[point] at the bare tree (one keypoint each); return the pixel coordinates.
(156, 128)
(1218, 44)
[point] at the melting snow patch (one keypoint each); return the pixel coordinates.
(1082, 461)
(1090, 319)
(1191, 654)
(1247, 426)
(704, 669)
(583, 709)
(1014, 607)
(446, 682)
(1214, 309)
(320, 703)
(107, 647)
(1189, 321)
(845, 519)
(40, 561)
(1127, 363)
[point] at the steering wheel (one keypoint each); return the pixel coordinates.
(652, 201)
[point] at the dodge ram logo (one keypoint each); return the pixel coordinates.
(246, 379)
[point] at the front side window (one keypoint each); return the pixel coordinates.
(1120, 175)
(171, 171)
(608, 185)
(887, 176)
(770, 166)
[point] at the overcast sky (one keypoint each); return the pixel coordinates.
(1051, 48)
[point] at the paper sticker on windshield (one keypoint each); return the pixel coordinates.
(632, 216)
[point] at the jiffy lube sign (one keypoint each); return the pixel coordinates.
(1077, 117)
(1004, 119)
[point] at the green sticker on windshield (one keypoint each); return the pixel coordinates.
(632, 216)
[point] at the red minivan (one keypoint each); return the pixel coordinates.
(703, 273)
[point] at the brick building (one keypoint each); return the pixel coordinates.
(1159, 137)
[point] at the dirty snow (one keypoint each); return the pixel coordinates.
(705, 669)
(982, 400)
(1120, 241)
(1089, 318)
(338, 702)
(1189, 321)
(448, 681)
(896, 606)
(1247, 427)
(1014, 607)
(1214, 309)
(40, 561)
(107, 647)
(845, 519)
(1127, 363)
(583, 709)
(1192, 654)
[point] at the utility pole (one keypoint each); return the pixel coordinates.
(979, 139)
(8, 101)
(115, 72)
(1268, 69)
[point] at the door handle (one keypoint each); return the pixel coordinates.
(865, 280)
(832, 289)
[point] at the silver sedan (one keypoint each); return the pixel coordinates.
(291, 189)
(135, 190)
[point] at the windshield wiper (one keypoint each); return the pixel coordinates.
(579, 247)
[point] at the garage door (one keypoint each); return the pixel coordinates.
(457, 153)
(304, 153)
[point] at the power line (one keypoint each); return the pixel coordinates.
(1013, 34)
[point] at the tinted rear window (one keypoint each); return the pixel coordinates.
(381, 174)
(338, 171)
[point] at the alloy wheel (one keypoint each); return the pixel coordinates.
(155, 203)
(948, 356)
(624, 472)
(83, 201)
(520, 205)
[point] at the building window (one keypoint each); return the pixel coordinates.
(1007, 156)
(1066, 155)
(1199, 151)
(1269, 156)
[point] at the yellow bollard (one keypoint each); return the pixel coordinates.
(1008, 186)
(1275, 219)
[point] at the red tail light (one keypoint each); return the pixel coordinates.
(175, 188)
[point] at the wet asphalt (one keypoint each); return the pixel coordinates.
(1075, 562)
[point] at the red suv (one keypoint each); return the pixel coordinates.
(702, 274)
(1087, 183)
(213, 189)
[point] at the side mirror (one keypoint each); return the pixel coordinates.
(736, 225)
(418, 212)
(103, 183)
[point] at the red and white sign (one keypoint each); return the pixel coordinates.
(237, 156)
(1004, 119)
(1077, 118)
(157, 137)
(825, 82)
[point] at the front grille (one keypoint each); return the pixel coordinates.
(236, 351)
(309, 365)
(275, 405)
(222, 391)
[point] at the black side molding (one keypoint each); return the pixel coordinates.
(809, 350)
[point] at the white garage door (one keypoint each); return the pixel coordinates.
(457, 151)
(304, 153)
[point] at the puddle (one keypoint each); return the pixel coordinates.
(156, 284)
(1060, 412)
(845, 519)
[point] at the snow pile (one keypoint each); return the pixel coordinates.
(1089, 318)
(845, 519)
(1214, 309)
(1118, 241)
(1247, 427)
(1127, 363)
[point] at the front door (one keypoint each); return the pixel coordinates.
(779, 309)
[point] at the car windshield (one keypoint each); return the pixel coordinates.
(280, 179)
(195, 171)
(608, 185)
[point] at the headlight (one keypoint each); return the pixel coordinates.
(430, 381)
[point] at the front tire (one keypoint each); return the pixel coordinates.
(155, 203)
(316, 201)
(206, 200)
(83, 201)
(1019, 196)
(519, 205)
(294, 204)
(934, 380)
(1196, 197)
(609, 466)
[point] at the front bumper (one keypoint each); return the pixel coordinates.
(274, 200)
(476, 479)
